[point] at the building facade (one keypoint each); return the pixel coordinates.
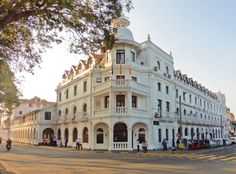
(29, 119)
(131, 93)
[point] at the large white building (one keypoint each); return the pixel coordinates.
(133, 92)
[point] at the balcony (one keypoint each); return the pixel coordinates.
(121, 111)
(122, 85)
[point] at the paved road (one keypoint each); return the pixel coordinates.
(27, 159)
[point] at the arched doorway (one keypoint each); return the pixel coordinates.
(85, 135)
(48, 134)
(101, 136)
(75, 134)
(59, 133)
(139, 135)
(66, 136)
(198, 134)
(120, 132)
(192, 133)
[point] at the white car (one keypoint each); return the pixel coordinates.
(212, 143)
(232, 140)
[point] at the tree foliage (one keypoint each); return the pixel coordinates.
(28, 27)
(8, 89)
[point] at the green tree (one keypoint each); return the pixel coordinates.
(8, 89)
(28, 27)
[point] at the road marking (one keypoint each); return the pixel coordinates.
(217, 157)
(205, 157)
(228, 159)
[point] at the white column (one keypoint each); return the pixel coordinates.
(130, 138)
(129, 101)
(110, 140)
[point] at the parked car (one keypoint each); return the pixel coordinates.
(232, 140)
(218, 142)
(212, 143)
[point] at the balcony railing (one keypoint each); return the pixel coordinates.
(120, 110)
(122, 84)
(120, 146)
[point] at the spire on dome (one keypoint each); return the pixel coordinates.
(148, 37)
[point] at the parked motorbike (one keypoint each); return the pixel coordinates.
(8, 147)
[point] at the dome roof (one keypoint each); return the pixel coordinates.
(123, 33)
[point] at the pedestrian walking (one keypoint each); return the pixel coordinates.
(66, 142)
(164, 143)
(173, 148)
(145, 145)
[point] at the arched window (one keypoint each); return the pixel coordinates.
(66, 111)
(167, 70)
(184, 111)
(177, 111)
(159, 86)
(74, 109)
(158, 65)
(59, 112)
(192, 133)
(186, 131)
(85, 107)
(120, 133)
(100, 136)
(85, 135)
(75, 134)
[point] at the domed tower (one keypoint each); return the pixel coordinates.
(124, 35)
(125, 49)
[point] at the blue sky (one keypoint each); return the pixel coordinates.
(201, 34)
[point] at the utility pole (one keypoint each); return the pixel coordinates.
(221, 126)
(180, 119)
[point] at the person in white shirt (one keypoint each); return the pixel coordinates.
(78, 144)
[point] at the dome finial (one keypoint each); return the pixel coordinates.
(122, 21)
(148, 37)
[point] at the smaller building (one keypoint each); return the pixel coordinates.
(231, 123)
(34, 127)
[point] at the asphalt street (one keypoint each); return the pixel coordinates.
(28, 159)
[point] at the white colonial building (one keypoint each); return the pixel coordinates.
(130, 93)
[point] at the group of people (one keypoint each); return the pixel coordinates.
(178, 145)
